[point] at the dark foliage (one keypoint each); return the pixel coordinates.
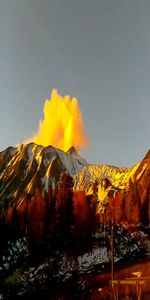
(52, 219)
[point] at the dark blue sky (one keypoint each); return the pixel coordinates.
(97, 51)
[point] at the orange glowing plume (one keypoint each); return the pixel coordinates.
(62, 126)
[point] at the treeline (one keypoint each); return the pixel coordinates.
(54, 216)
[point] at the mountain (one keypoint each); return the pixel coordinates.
(53, 238)
(27, 167)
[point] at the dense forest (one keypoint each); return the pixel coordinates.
(56, 217)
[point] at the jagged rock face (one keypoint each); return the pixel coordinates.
(27, 167)
(133, 203)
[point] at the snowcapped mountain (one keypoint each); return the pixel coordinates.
(27, 167)
(24, 168)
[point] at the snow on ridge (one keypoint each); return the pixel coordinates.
(118, 177)
(45, 179)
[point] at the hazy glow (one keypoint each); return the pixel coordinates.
(62, 126)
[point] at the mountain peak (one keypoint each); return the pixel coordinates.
(72, 150)
(27, 167)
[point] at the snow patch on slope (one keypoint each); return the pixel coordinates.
(118, 177)
(90, 259)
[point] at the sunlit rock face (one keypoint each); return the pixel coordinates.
(31, 166)
(125, 191)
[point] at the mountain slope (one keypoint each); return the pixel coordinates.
(27, 167)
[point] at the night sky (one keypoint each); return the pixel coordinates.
(97, 51)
